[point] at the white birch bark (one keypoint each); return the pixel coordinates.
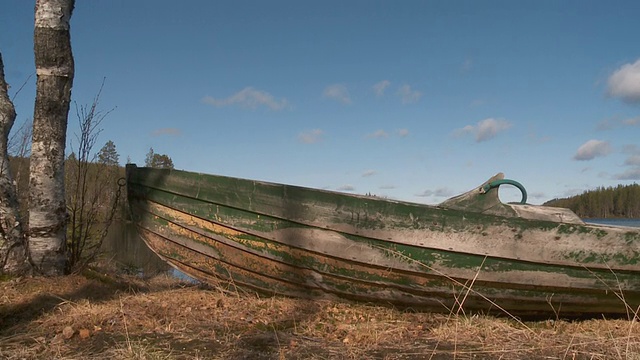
(55, 70)
(13, 253)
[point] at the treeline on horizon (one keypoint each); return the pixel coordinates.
(102, 172)
(622, 201)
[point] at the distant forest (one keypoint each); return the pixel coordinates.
(612, 202)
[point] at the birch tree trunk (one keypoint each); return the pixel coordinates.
(55, 69)
(13, 253)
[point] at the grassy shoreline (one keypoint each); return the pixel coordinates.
(104, 315)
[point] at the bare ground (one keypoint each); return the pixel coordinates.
(108, 316)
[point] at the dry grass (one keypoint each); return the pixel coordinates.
(115, 317)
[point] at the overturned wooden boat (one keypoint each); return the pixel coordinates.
(471, 252)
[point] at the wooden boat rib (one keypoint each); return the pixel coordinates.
(295, 241)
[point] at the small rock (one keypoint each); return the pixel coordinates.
(68, 332)
(84, 333)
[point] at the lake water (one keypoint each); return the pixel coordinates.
(616, 222)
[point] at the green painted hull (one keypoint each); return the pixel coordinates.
(469, 252)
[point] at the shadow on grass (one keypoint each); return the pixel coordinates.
(32, 298)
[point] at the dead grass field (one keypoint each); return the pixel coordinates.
(106, 316)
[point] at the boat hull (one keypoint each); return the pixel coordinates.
(294, 241)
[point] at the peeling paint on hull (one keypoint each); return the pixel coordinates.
(294, 241)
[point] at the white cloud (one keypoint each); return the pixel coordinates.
(443, 192)
(311, 136)
(346, 188)
(469, 129)
(409, 95)
(631, 174)
(631, 149)
(439, 192)
(606, 124)
(485, 129)
(537, 195)
(625, 83)
(632, 121)
(249, 98)
(369, 173)
(633, 160)
(167, 131)
(592, 149)
(380, 87)
(337, 92)
(378, 134)
(612, 123)
(489, 128)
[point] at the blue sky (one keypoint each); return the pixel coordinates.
(414, 100)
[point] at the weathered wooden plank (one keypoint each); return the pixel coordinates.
(541, 241)
(295, 241)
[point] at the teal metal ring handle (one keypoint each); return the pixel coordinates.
(497, 183)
